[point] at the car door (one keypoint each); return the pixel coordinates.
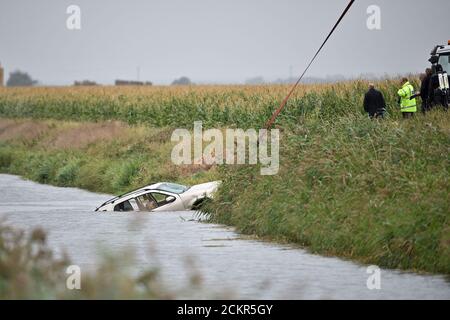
(145, 202)
(167, 201)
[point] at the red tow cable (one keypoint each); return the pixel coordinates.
(285, 100)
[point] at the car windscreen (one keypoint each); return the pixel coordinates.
(172, 187)
(444, 61)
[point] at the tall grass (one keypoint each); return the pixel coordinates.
(375, 191)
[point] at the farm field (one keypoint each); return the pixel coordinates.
(180, 106)
(371, 191)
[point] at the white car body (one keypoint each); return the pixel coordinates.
(163, 196)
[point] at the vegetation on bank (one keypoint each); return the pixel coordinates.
(375, 191)
(107, 157)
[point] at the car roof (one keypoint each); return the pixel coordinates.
(133, 193)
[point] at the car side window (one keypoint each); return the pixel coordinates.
(145, 202)
(162, 199)
(123, 206)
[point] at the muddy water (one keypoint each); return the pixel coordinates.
(181, 246)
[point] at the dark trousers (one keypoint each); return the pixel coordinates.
(407, 115)
(425, 107)
(378, 114)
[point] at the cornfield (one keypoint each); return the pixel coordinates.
(240, 106)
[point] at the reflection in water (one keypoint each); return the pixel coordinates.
(225, 260)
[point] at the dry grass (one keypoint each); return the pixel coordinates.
(50, 134)
(21, 130)
(80, 135)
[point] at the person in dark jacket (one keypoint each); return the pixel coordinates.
(374, 103)
(425, 90)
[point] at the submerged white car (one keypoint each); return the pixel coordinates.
(163, 196)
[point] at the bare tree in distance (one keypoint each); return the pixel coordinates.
(20, 79)
(255, 81)
(184, 81)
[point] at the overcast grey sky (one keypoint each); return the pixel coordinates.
(215, 40)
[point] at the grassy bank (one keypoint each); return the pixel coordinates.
(108, 157)
(374, 191)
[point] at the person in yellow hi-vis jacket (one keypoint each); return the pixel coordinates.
(408, 105)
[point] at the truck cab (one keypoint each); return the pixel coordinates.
(439, 93)
(443, 54)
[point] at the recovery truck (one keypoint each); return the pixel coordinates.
(439, 93)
